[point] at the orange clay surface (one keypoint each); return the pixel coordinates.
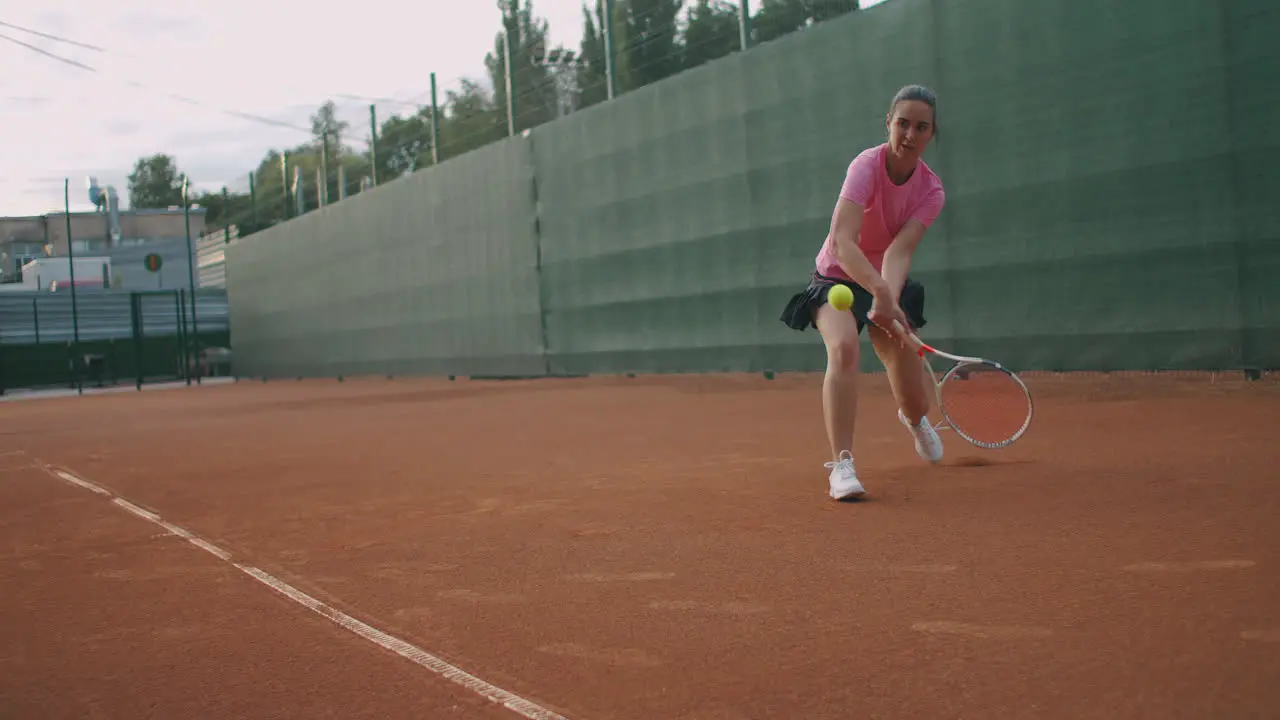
(651, 548)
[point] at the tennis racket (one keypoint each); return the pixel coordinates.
(984, 402)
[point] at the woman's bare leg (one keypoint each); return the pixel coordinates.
(911, 388)
(840, 397)
(840, 384)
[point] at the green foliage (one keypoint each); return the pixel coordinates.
(647, 39)
(404, 144)
(711, 31)
(472, 120)
(535, 92)
(155, 183)
(782, 17)
(325, 121)
(591, 79)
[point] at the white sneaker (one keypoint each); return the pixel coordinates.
(844, 479)
(928, 444)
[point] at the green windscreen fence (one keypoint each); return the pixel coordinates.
(1093, 209)
(1110, 175)
(1252, 78)
(648, 261)
(432, 273)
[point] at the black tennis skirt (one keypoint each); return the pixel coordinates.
(802, 308)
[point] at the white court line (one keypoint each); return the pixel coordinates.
(176, 530)
(210, 548)
(404, 649)
(84, 484)
(489, 691)
(144, 514)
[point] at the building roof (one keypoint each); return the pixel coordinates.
(195, 210)
(145, 211)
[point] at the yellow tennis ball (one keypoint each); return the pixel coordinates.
(840, 297)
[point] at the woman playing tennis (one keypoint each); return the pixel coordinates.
(889, 199)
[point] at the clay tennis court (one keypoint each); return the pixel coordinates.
(635, 548)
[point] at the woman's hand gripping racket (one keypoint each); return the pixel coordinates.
(981, 400)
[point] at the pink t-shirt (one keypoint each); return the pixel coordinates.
(886, 207)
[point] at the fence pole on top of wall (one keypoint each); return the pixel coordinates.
(226, 217)
(75, 308)
(511, 97)
(373, 146)
(744, 24)
(284, 183)
(322, 190)
(435, 124)
(191, 277)
(253, 200)
(610, 69)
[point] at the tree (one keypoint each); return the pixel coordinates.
(326, 119)
(471, 120)
(155, 183)
(404, 144)
(647, 46)
(711, 31)
(535, 91)
(781, 17)
(591, 75)
(215, 209)
(648, 41)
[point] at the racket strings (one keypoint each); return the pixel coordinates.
(986, 405)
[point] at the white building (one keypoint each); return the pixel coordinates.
(53, 274)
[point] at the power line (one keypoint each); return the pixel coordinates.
(55, 38)
(59, 58)
(95, 48)
(174, 96)
(382, 100)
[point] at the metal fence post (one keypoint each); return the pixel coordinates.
(180, 326)
(610, 62)
(226, 217)
(435, 124)
(509, 65)
(135, 318)
(191, 275)
(373, 144)
(75, 310)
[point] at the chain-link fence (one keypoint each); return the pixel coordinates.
(108, 339)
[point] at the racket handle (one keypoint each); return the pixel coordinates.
(912, 340)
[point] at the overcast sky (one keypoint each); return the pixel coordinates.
(278, 59)
(275, 58)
